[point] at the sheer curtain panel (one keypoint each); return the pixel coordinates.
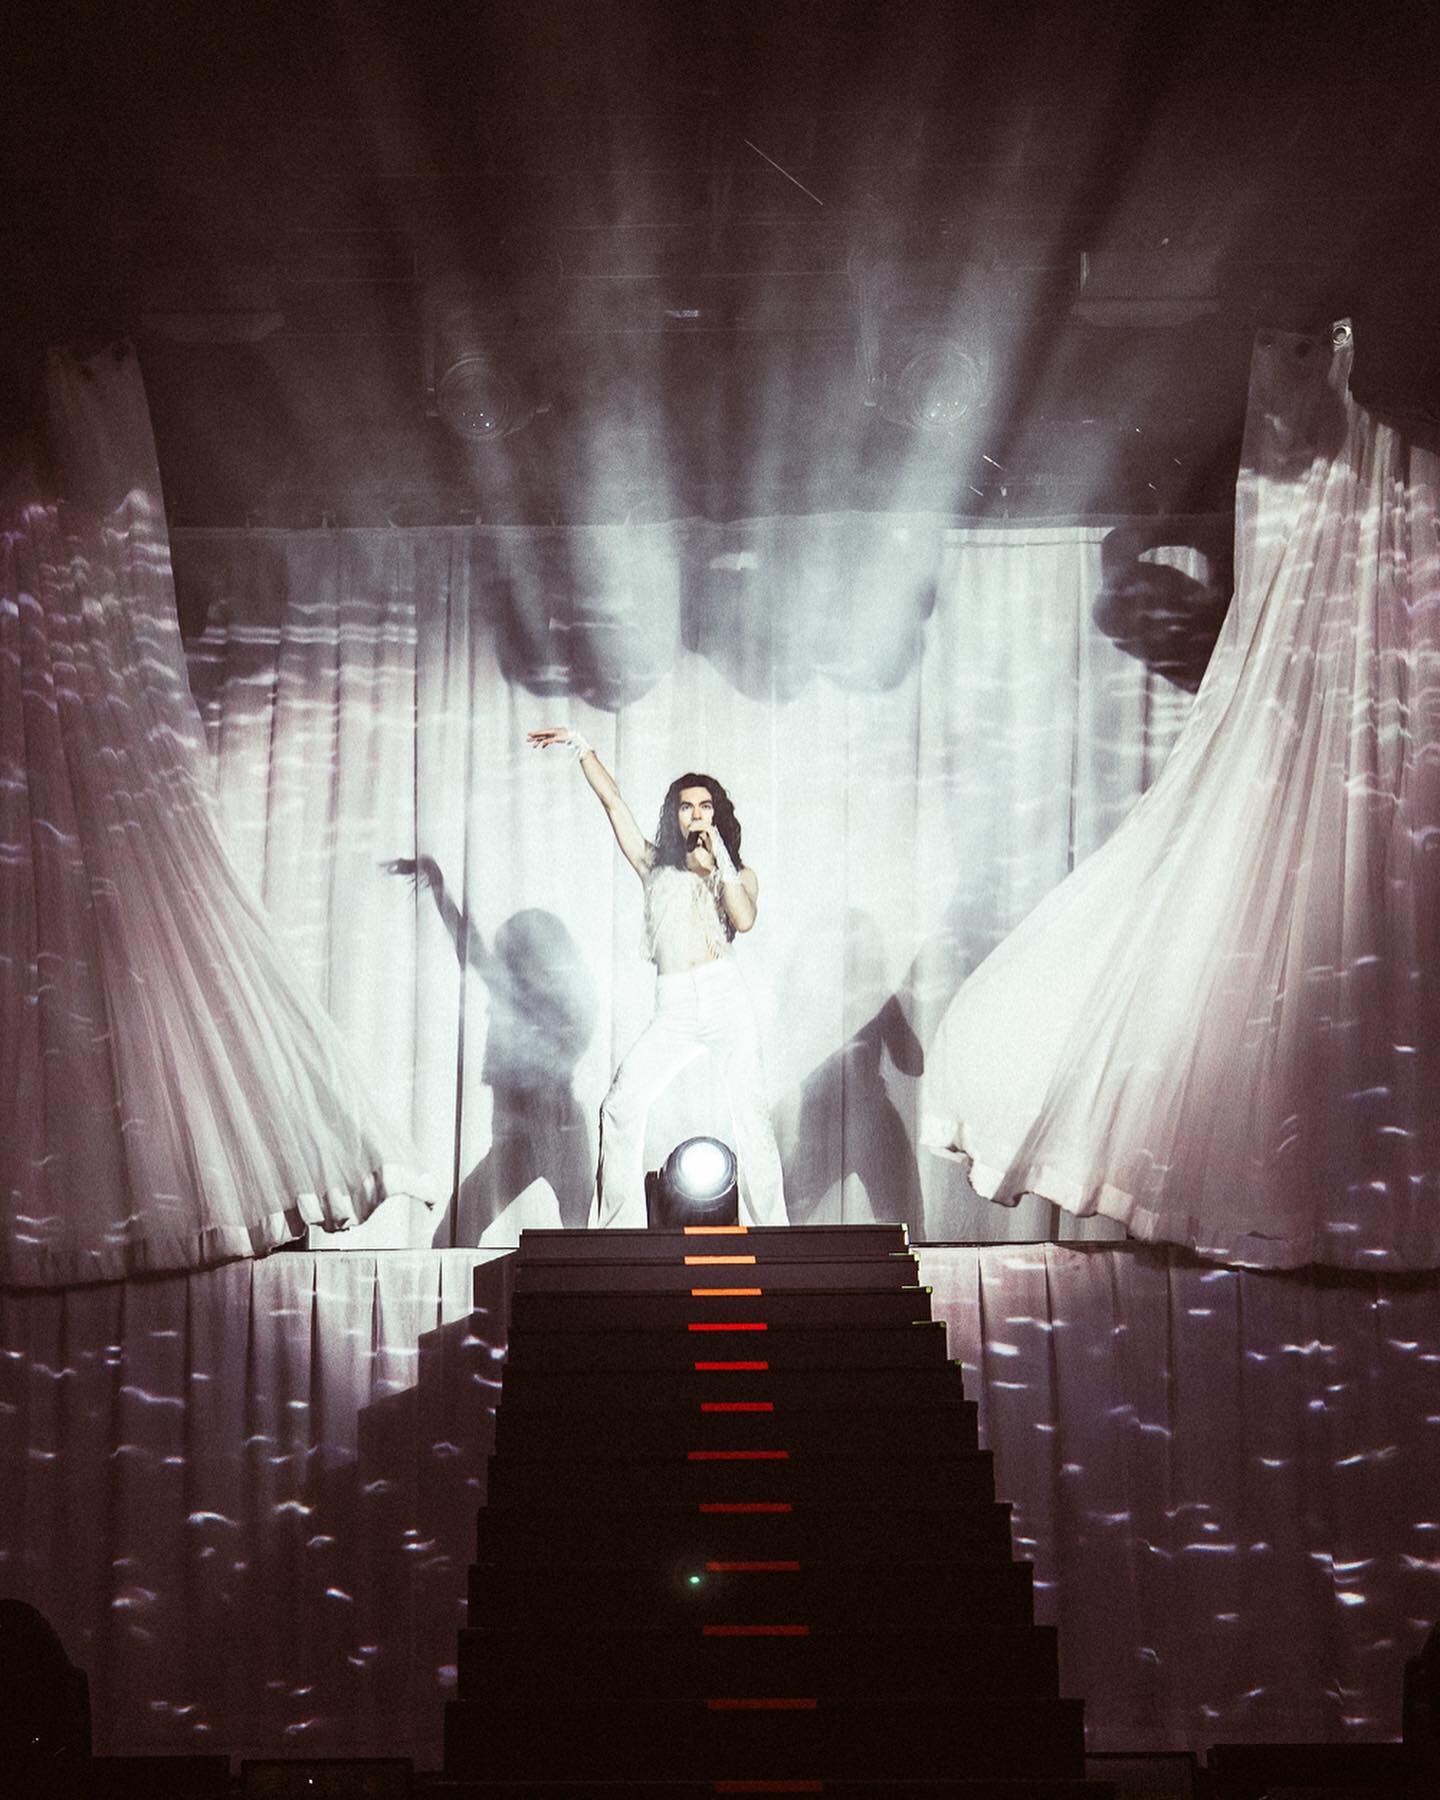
(1223, 1030)
(172, 1094)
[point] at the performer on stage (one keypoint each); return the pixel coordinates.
(698, 894)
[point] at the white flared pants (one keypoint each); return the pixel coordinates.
(697, 1010)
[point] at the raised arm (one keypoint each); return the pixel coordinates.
(470, 949)
(635, 847)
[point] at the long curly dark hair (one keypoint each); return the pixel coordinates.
(670, 847)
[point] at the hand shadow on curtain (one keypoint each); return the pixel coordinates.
(541, 1019)
(845, 1100)
(1156, 613)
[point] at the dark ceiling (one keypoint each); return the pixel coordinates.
(698, 243)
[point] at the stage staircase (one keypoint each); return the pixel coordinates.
(740, 1538)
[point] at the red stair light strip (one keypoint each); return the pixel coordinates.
(737, 1456)
(746, 1506)
(763, 1705)
(725, 1568)
(767, 1787)
(755, 1631)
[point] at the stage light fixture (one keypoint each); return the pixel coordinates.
(478, 402)
(698, 1185)
(471, 385)
(938, 389)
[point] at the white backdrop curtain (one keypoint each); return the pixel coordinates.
(1224, 1029)
(922, 728)
(170, 1092)
(245, 1496)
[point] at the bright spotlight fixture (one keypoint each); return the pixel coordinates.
(698, 1185)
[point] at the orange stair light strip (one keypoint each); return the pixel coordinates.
(715, 1230)
(732, 1365)
(727, 1325)
(692, 1262)
(726, 1293)
(728, 1406)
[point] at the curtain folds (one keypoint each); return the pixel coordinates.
(172, 1094)
(245, 1496)
(921, 725)
(1221, 1475)
(1223, 1029)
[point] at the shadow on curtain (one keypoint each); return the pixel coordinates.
(922, 725)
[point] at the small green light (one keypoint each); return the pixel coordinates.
(694, 1581)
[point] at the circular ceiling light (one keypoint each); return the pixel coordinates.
(938, 389)
(478, 402)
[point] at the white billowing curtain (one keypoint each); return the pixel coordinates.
(921, 726)
(170, 1092)
(1223, 1030)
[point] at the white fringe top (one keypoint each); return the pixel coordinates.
(682, 920)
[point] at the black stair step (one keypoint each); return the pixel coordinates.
(601, 1534)
(818, 1739)
(641, 1389)
(775, 1243)
(604, 1664)
(157, 1777)
(788, 1346)
(441, 1788)
(601, 1311)
(740, 1539)
(654, 1276)
(1249, 1771)
(532, 1431)
(880, 1597)
(671, 1481)
(607, 1664)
